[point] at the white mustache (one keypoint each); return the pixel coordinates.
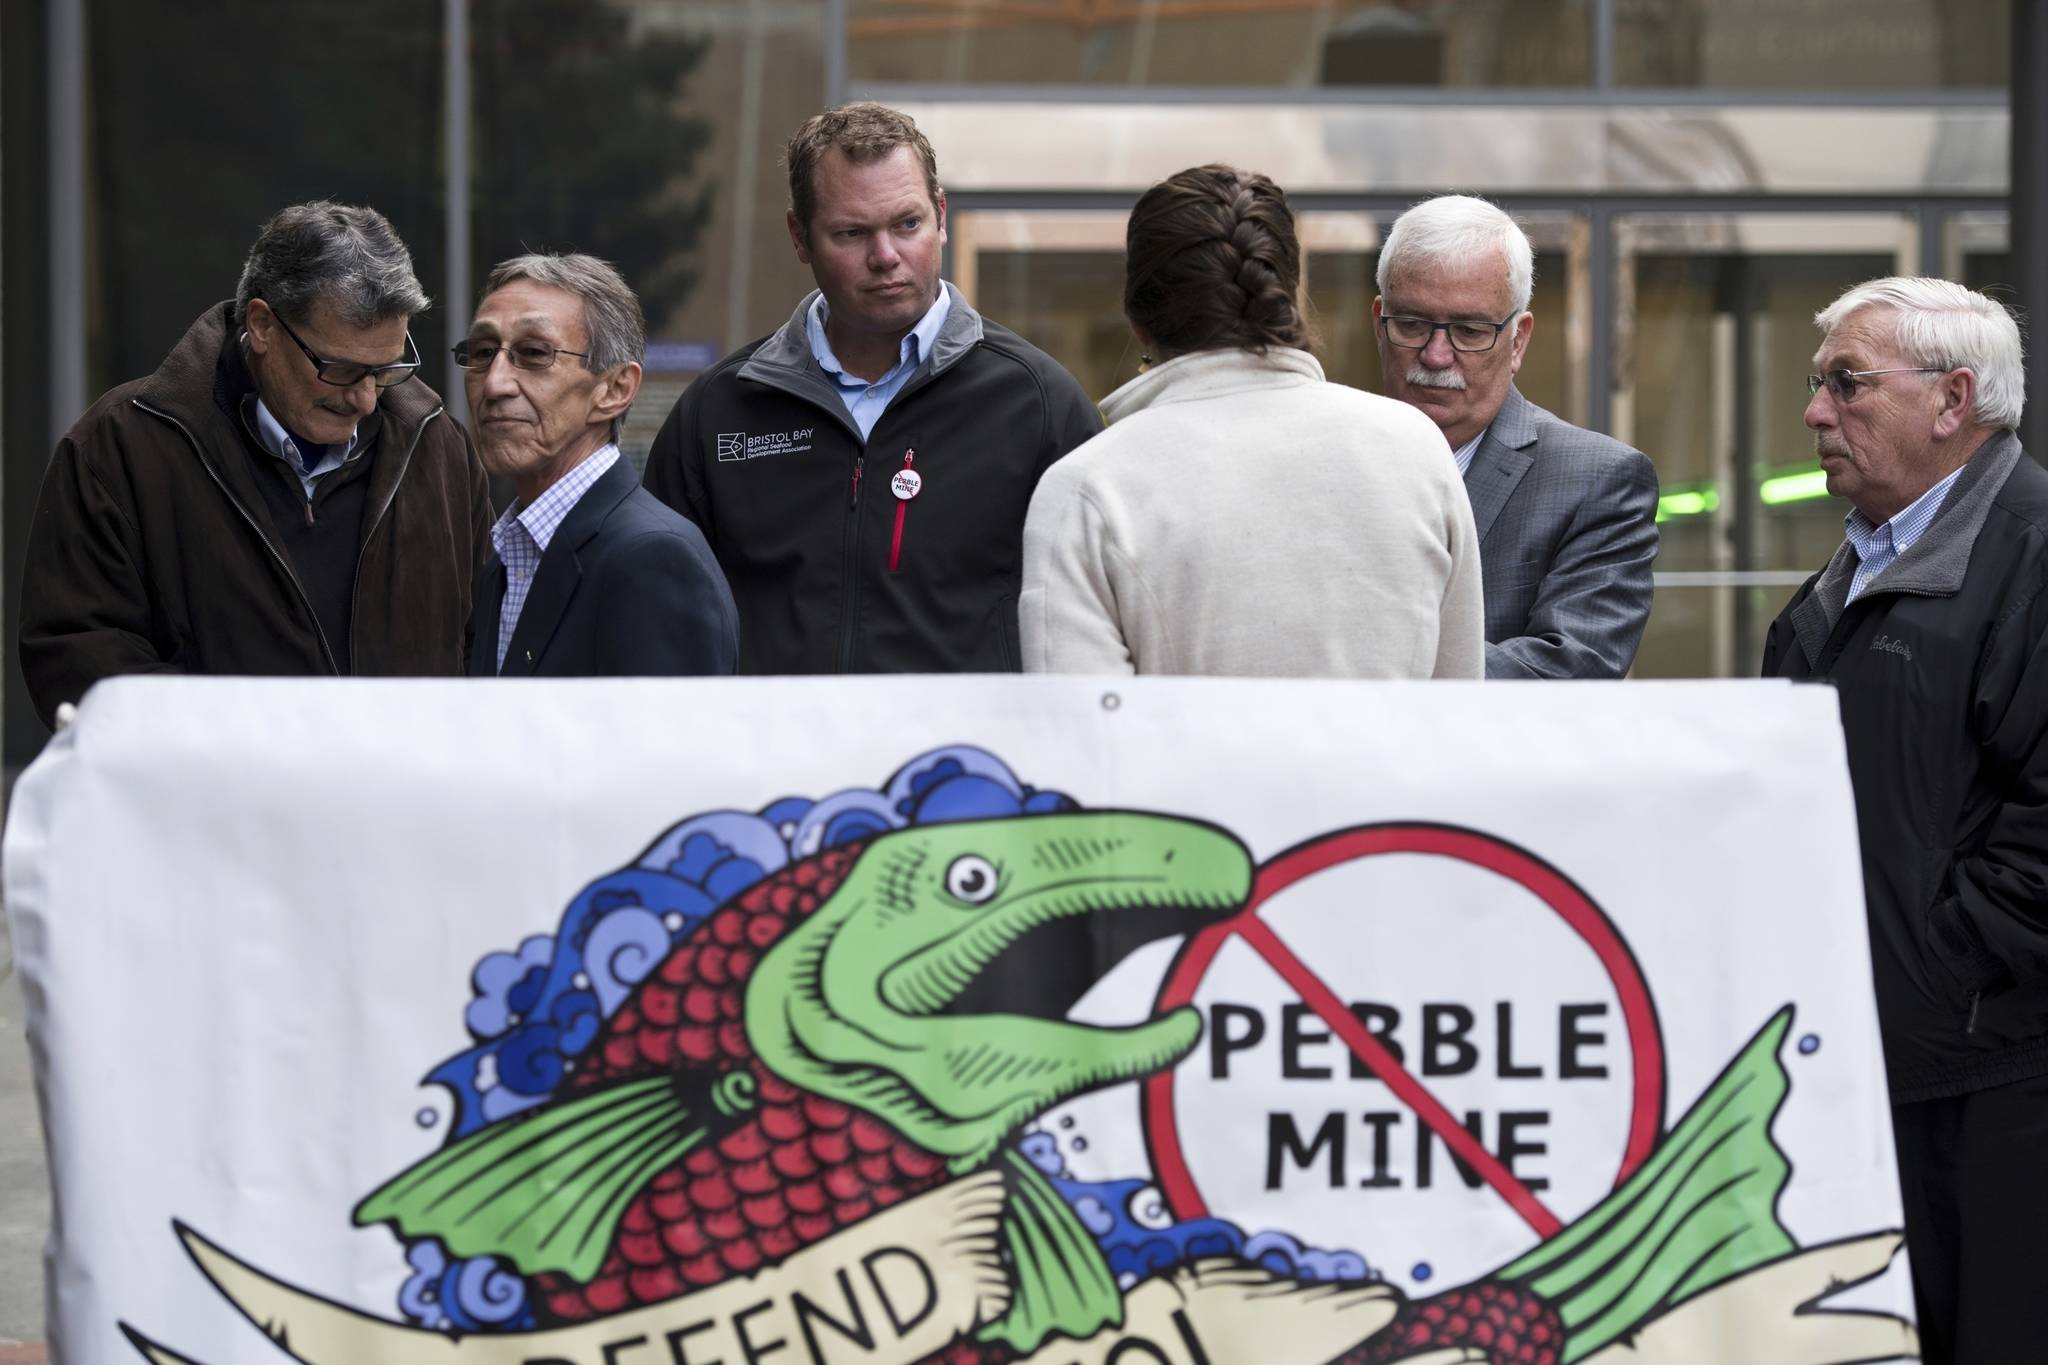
(1831, 443)
(1423, 377)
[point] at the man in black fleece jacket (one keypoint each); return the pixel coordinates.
(863, 474)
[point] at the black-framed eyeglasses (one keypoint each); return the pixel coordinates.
(1844, 385)
(1416, 333)
(524, 355)
(346, 374)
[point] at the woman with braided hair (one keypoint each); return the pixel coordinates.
(1242, 515)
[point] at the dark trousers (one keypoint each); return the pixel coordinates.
(1974, 1172)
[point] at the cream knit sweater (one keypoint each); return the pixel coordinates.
(1243, 516)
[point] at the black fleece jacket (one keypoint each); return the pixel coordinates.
(831, 569)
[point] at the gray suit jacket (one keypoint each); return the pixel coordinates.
(1567, 523)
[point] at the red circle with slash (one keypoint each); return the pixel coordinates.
(1565, 899)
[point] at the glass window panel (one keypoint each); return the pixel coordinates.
(1714, 340)
(648, 132)
(1977, 251)
(1056, 278)
(1710, 631)
(1284, 43)
(1813, 44)
(205, 122)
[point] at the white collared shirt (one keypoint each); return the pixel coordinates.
(1464, 453)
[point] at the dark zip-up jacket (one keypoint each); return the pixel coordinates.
(832, 572)
(153, 549)
(1942, 668)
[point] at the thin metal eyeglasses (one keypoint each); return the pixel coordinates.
(1415, 334)
(524, 355)
(1844, 385)
(346, 374)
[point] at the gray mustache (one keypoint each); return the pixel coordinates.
(1423, 377)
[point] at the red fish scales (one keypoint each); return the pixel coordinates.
(800, 1168)
(1512, 1325)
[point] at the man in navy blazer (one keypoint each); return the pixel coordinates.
(594, 576)
(1567, 518)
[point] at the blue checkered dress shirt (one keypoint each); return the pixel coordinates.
(1877, 547)
(522, 534)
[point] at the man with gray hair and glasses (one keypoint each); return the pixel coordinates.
(593, 575)
(1931, 622)
(1567, 518)
(282, 496)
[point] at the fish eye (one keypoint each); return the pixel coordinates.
(971, 878)
(1147, 1208)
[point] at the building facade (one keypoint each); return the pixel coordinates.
(1699, 176)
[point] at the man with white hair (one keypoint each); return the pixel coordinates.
(1567, 518)
(1931, 622)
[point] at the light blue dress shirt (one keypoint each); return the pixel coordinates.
(1877, 547)
(275, 440)
(866, 402)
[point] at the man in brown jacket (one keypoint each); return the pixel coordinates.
(282, 496)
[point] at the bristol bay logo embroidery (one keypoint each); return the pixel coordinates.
(740, 445)
(821, 1073)
(1888, 645)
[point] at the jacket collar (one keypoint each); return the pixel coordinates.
(1937, 562)
(1504, 456)
(555, 581)
(784, 361)
(1209, 374)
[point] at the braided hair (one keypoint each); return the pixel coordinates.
(1211, 262)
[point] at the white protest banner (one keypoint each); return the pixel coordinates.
(971, 1021)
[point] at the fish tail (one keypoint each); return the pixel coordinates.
(1063, 1285)
(1700, 1211)
(544, 1191)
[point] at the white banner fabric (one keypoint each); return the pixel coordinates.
(969, 1020)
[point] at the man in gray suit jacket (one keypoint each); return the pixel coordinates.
(1567, 518)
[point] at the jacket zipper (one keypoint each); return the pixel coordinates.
(355, 591)
(902, 510)
(319, 633)
(1976, 998)
(849, 569)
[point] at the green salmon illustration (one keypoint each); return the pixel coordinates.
(853, 1029)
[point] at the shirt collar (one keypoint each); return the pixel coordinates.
(917, 342)
(1464, 453)
(1906, 526)
(278, 442)
(544, 516)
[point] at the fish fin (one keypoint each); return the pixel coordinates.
(544, 1191)
(1063, 1283)
(1702, 1209)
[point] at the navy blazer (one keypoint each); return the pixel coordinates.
(1567, 522)
(626, 588)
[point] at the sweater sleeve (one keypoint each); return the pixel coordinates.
(1461, 622)
(1068, 612)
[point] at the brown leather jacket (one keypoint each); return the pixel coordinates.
(152, 550)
